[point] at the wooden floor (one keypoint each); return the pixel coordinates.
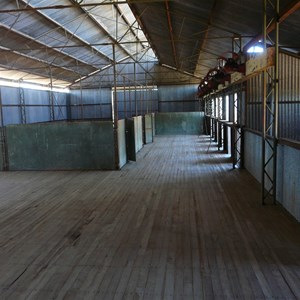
(178, 224)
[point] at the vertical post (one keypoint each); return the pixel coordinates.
(237, 132)
(3, 138)
(135, 97)
(51, 98)
(130, 104)
(152, 101)
(141, 100)
(124, 90)
(264, 107)
(147, 108)
(276, 101)
(115, 111)
(270, 109)
(100, 101)
(81, 101)
(22, 105)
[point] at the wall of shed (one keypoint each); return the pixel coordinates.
(91, 104)
(288, 172)
(37, 105)
(179, 123)
(177, 98)
(61, 146)
(134, 103)
(289, 98)
(96, 103)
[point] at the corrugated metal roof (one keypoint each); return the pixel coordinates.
(202, 31)
(71, 42)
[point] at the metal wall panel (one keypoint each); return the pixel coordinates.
(288, 179)
(289, 89)
(288, 186)
(133, 103)
(36, 105)
(289, 98)
(10, 95)
(11, 115)
(36, 114)
(181, 98)
(91, 104)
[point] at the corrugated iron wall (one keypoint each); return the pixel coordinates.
(254, 102)
(289, 98)
(31, 106)
(181, 98)
(289, 105)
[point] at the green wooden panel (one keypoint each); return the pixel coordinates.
(61, 146)
(179, 123)
(130, 140)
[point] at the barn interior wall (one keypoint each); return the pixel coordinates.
(178, 98)
(31, 106)
(91, 104)
(288, 180)
(61, 146)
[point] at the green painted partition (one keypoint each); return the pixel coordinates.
(179, 123)
(61, 146)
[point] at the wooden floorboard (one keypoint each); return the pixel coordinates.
(178, 224)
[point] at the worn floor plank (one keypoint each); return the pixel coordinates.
(178, 224)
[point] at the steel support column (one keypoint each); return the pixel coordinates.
(270, 107)
(124, 100)
(115, 112)
(51, 98)
(22, 105)
(3, 138)
(220, 125)
(208, 114)
(135, 95)
(237, 126)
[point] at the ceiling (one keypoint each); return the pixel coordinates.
(90, 43)
(192, 35)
